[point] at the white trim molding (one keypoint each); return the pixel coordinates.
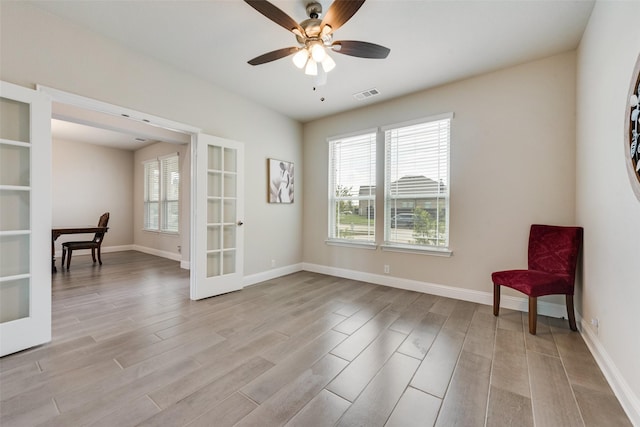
(480, 297)
(186, 264)
(263, 276)
(157, 252)
(627, 398)
(103, 249)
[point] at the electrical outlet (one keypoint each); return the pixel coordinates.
(273, 263)
(386, 269)
(179, 249)
(596, 324)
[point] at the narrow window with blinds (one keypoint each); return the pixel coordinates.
(417, 184)
(352, 191)
(161, 194)
(152, 195)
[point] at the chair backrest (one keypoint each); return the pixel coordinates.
(555, 249)
(104, 220)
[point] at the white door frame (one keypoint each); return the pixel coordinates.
(103, 107)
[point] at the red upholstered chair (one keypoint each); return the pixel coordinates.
(553, 256)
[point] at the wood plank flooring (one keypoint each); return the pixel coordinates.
(130, 348)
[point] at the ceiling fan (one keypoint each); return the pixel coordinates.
(315, 36)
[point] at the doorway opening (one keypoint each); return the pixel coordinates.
(120, 140)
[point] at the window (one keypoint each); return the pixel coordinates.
(352, 188)
(161, 194)
(416, 183)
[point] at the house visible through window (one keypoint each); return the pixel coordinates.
(161, 194)
(417, 183)
(415, 162)
(352, 190)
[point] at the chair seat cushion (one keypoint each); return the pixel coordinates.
(81, 245)
(534, 283)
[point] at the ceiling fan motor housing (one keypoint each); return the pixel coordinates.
(311, 26)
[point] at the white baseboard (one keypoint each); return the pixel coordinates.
(627, 398)
(151, 251)
(271, 274)
(480, 297)
(157, 252)
(104, 250)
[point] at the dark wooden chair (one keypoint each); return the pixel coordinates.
(553, 256)
(94, 245)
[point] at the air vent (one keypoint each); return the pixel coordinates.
(366, 94)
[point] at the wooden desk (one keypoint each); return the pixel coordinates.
(58, 231)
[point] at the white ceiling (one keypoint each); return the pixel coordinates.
(70, 123)
(431, 42)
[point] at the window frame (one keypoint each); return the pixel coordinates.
(333, 198)
(383, 222)
(390, 245)
(162, 200)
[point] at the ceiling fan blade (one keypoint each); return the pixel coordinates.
(275, 14)
(340, 12)
(273, 55)
(360, 49)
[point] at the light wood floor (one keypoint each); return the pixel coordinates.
(130, 348)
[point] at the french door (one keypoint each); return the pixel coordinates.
(25, 218)
(218, 238)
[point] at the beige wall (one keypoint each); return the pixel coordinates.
(606, 204)
(512, 164)
(87, 181)
(163, 242)
(67, 57)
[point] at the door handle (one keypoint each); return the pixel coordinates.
(240, 223)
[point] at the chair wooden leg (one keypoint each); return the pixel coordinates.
(93, 254)
(69, 252)
(533, 314)
(64, 255)
(99, 257)
(496, 299)
(571, 313)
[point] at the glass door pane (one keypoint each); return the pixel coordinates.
(222, 190)
(15, 212)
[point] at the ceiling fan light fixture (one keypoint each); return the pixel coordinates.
(312, 68)
(300, 58)
(317, 52)
(328, 63)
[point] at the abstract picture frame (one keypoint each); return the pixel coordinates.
(281, 181)
(632, 130)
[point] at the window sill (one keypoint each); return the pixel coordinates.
(168, 233)
(351, 244)
(418, 250)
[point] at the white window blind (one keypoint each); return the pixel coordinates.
(161, 194)
(152, 195)
(352, 192)
(170, 193)
(417, 183)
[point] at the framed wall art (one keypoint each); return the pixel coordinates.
(280, 181)
(632, 130)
